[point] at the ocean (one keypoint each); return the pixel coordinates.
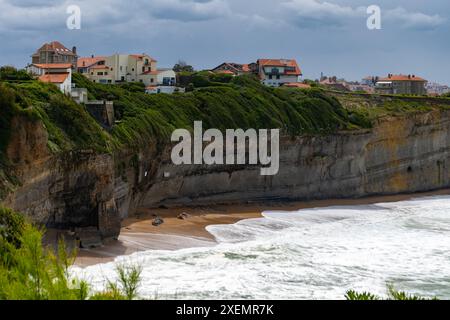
(306, 254)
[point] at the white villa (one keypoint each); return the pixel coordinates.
(278, 72)
(120, 68)
(59, 74)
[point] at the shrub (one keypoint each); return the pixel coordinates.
(30, 271)
(8, 73)
(393, 294)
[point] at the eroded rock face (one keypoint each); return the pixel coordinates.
(64, 191)
(84, 189)
(400, 155)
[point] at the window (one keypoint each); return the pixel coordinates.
(99, 73)
(152, 80)
(109, 81)
(106, 73)
(132, 69)
(278, 77)
(270, 77)
(120, 68)
(143, 69)
(92, 73)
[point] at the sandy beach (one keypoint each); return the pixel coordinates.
(138, 233)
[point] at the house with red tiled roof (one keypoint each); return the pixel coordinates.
(120, 68)
(401, 84)
(235, 69)
(84, 63)
(61, 80)
(58, 74)
(55, 52)
(276, 72)
(38, 69)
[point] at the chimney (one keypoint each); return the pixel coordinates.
(92, 55)
(74, 50)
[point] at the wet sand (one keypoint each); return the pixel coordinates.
(138, 233)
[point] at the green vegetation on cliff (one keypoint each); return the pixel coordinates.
(68, 124)
(220, 102)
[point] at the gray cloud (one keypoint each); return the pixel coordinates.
(189, 10)
(316, 13)
(326, 35)
(415, 20)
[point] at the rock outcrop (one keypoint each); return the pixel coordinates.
(401, 154)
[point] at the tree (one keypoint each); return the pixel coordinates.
(182, 66)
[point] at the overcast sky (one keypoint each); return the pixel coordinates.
(324, 36)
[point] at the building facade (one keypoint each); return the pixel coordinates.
(120, 68)
(85, 63)
(235, 69)
(401, 84)
(277, 72)
(55, 53)
(58, 74)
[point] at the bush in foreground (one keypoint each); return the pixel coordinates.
(393, 294)
(30, 271)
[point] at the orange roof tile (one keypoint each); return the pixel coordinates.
(53, 65)
(245, 68)
(281, 63)
(54, 78)
(402, 77)
(55, 46)
(89, 61)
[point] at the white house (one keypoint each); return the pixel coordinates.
(38, 69)
(166, 77)
(120, 68)
(56, 73)
(166, 80)
(277, 72)
(62, 80)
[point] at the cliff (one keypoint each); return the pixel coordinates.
(404, 150)
(399, 155)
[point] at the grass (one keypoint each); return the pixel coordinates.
(374, 106)
(220, 102)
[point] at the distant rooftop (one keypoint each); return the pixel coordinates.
(402, 77)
